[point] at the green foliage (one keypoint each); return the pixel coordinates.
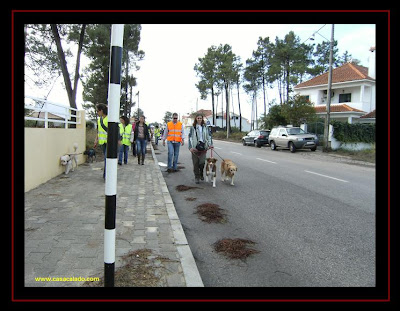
(234, 136)
(206, 71)
(46, 64)
(289, 63)
(321, 54)
(273, 118)
(353, 133)
(167, 117)
(97, 49)
(298, 110)
(90, 124)
(217, 70)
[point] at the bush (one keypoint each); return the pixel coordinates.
(89, 124)
(237, 136)
(353, 133)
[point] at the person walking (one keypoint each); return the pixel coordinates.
(141, 137)
(199, 142)
(175, 136)
(132, 137)
(156, 134)
(102, 129)
(125, 129)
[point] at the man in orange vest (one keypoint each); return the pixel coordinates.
(175, 136)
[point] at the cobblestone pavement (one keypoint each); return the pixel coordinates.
(64, 226)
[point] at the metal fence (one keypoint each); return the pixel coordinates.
(39, 109)
(317, 128)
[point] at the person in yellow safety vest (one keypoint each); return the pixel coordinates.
(102, 129)
(156, 134)
(125, 129)
(174, 134)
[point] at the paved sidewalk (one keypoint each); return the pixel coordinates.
(64, 226)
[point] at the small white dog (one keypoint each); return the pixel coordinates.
(68, 159)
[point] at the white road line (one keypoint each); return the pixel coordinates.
(217, 148)
(325, 176)
(236, 152)
(265, 160)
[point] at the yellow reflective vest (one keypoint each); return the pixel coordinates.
(102, 131)
(125, 134)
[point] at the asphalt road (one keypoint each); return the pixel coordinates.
(312, 218)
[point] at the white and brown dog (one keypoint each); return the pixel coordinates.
(68, 159)
(211, 169)
(228, 168)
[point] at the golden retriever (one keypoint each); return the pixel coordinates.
(229, 169)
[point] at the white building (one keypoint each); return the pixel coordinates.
(235, 119)
(353, 91)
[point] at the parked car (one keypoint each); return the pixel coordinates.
(257, 138)
(292, 138)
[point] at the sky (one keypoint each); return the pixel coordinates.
(166, 79)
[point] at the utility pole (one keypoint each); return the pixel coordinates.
(328, 103)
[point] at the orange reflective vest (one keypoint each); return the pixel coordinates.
(174, 131)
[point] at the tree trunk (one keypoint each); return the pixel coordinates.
(78, 60)
(222, 107)
(233, 109)
(212, 103)
(280, 90)
(287, 80)
(126, 83)
(265, 105)
(240, 112)
(228, 119)
(63, 62)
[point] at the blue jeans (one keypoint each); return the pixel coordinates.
(123, 150)
(173, 154)
(141, 146)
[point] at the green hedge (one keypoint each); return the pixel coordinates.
(353, 133)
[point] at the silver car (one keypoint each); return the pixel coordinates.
(292, 138)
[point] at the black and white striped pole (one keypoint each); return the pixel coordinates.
(114, 89)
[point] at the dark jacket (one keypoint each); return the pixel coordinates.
(146, 132)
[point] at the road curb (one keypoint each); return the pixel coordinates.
(189, 267)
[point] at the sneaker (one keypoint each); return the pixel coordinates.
(201, 177)
(197, 181)
(169, 170)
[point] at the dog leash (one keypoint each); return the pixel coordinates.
(217, 154)
(194, 152)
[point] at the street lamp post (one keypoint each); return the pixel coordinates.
(328, 103)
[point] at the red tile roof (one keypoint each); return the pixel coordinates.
(204, 112)
(336, 108)
(346, 72)
(369, 115)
